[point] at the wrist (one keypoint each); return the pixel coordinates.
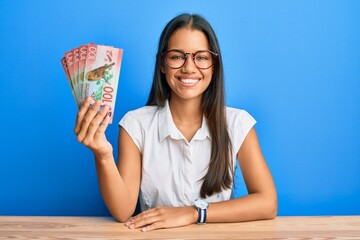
(194, 214)
(201, 207)
(104, 157)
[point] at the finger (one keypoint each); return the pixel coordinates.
(145, 221)
(97, 126)
(99, 123)
(88, 118)
(104, 124)
(145, 218)
(81, 113)
(146, 213)
(127, 223)
(151, 227)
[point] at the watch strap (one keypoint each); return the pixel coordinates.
(202, 216)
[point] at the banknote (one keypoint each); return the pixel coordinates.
(101, 76)
(66, 70)
(94, 70)
(81, 69)
(69, 59)
(75, 52)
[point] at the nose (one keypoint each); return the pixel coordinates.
(189, 65)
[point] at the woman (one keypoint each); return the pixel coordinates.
(177, 154)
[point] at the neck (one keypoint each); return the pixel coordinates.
(186, 111)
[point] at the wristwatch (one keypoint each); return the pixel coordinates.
(201, 206)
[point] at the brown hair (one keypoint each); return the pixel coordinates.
(220, 169)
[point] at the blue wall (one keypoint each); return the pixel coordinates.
(294, 65)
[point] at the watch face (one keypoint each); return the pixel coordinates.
(201, 204)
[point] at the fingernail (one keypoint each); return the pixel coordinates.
(143, 229)
(127, 223)
(132, 226)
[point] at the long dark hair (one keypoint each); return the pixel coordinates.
(220, 170)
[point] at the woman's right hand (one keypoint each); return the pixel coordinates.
(90, 127)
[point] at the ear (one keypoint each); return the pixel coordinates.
(162, 68)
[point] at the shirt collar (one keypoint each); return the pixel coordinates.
(167, 126)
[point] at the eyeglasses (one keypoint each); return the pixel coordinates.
(176, 58)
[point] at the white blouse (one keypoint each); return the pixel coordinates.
(172, 167)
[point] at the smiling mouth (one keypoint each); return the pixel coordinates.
(189, 81)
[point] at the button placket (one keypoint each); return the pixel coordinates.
(188, 173)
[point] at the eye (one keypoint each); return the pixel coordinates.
(175, 56)
(202, 58)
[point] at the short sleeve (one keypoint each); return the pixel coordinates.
(133, 127)
(240, 123)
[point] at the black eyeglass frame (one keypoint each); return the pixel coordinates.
(215, 56)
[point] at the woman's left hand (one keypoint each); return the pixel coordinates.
(163, 217)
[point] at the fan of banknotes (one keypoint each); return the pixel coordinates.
(93, 70)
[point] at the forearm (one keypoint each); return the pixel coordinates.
(255, 206)
(252, 207)
(261, 203)
(113, 189)
(91, 123)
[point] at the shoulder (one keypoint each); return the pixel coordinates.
(139, 121)
(239, 123)
(140, 115)
(236, 116)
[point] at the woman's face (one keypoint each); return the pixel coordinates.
(188, 82)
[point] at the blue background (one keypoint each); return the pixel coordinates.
(294, 65)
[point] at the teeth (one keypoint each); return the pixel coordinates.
(189, 81)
